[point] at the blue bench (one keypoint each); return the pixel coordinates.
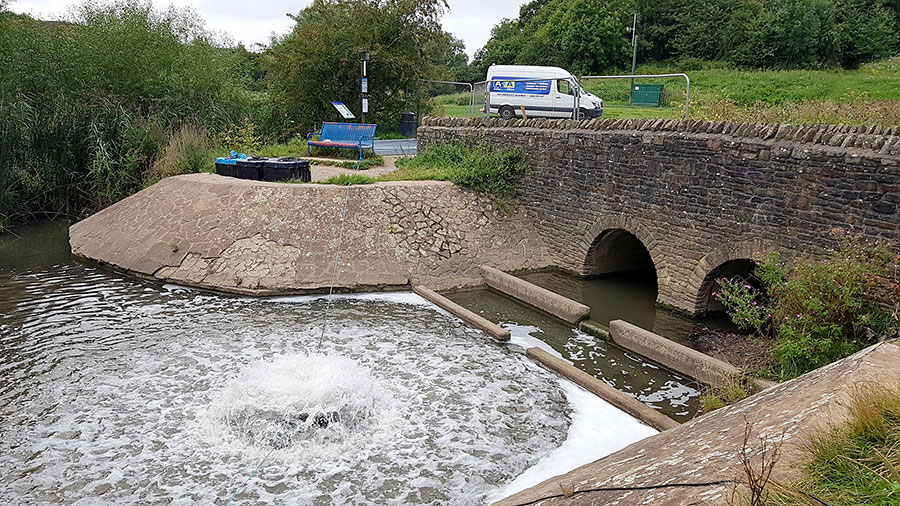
(344, 135)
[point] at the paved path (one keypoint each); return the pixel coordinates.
(396, 147)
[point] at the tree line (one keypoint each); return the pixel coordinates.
(91, 106)
(590, 36)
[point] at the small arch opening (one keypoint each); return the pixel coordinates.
(741, 267)
(618, 250)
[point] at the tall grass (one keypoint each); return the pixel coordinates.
(87, 106)
(857, 463)
(189, 150)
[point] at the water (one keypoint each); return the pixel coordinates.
(629, 296)
(120, 391)
(669, 392)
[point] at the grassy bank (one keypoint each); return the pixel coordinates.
(869, 95)
(857, 463)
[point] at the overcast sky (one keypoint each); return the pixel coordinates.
(253, 21)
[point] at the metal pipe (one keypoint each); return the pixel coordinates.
(687, 100)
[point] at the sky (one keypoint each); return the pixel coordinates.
(254, 21)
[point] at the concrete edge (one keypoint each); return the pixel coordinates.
(677, 357)
(534, 295)
(609, 394)
(757, 385)
(595, 329)
(492, 329)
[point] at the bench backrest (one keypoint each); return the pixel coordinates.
(348, 132)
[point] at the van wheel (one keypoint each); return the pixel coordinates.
(507, 112)
(582, 113)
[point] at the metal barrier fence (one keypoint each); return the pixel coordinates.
(487, 85)
(483, 89)
(687, 99)
(458, 83)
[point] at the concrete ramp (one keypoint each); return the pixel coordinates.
(707, 448)
(264, 238)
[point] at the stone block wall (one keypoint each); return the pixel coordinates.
(696, 193)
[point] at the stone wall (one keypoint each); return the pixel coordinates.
(273, 238)
(697, 194)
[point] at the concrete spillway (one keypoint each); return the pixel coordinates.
(271, 238)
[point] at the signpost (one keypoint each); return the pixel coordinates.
(364, 85)
(343, 109)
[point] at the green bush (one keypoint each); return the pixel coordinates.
(319, 60)
(86, 105)
(493, 172)
(189, 150)
(818, 311)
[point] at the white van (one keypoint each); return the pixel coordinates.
(544, 92)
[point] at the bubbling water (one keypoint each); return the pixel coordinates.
(294, 401)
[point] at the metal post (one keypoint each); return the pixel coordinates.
(687, 101)
(471, 92)
(364, 87)
(633, 58)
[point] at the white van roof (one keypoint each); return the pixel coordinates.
(527, 71)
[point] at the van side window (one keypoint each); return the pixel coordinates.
(564, 87)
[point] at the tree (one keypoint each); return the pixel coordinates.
(319, 61)
(580, 35)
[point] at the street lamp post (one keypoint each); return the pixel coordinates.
(364, 85)
(633, 31)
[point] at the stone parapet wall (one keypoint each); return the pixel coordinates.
(697, 194)
(884, 140)
(273, 238)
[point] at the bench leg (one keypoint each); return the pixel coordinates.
(360, 153)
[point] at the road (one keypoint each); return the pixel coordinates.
(396, 147)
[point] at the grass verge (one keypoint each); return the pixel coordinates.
(345, 179)
(857, 463)
(493, 172)
(868, 95)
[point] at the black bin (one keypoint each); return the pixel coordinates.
(250, 168)
(303, 168)
(408, 125)
(225, 169)
(281, 169)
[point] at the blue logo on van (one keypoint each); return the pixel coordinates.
(517, 85)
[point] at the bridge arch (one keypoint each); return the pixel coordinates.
(735, 260)
(617, 250)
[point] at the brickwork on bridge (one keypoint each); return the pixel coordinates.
(697, 194)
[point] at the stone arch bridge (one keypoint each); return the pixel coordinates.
(695, 200)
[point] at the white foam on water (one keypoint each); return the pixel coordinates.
(597, 430)
(391, 297)
(281, 401)
(520, 335)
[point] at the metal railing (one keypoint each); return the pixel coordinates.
(471, 92)
(571, 80)
(687, 100)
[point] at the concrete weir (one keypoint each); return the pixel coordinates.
(534, 295)
(708, 448)
(483, 324)
(263, 238)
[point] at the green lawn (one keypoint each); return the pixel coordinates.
(870, 94)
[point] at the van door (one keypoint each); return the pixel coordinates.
(564, 101)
